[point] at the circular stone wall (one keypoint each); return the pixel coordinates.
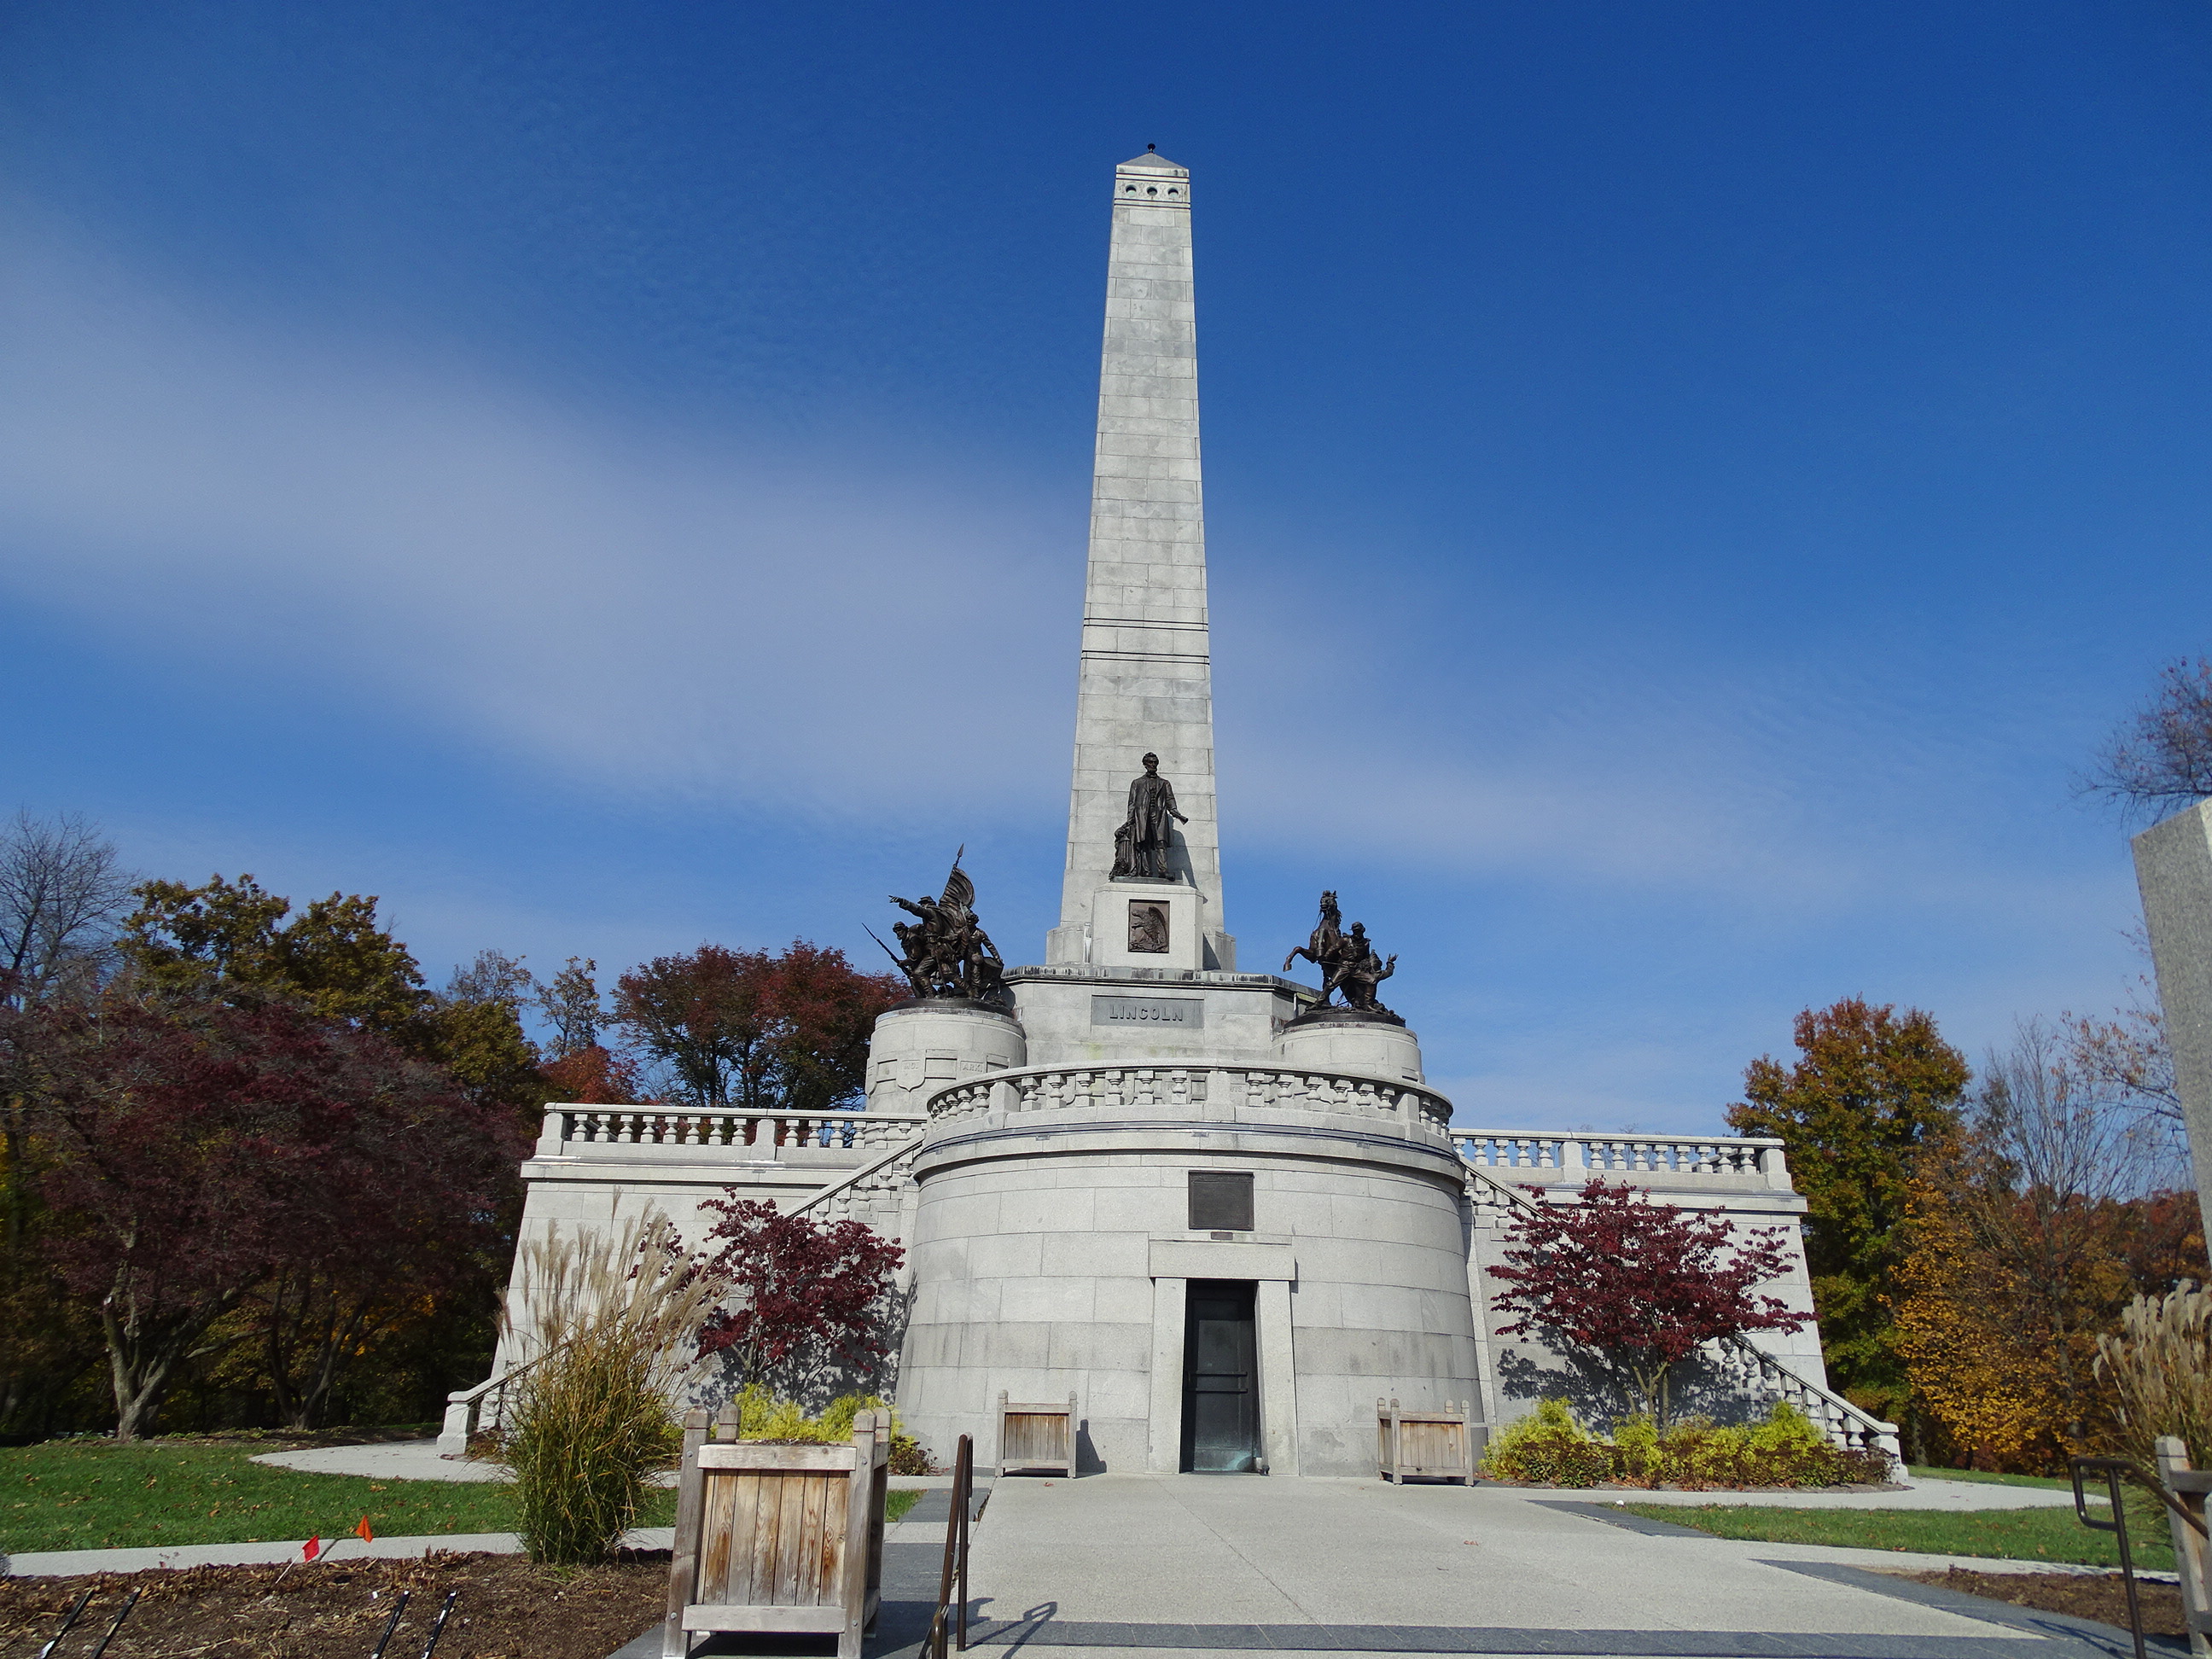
(1052, 1250)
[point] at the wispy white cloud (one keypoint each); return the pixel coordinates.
(654, 610)
(662, 613)
(672, 612)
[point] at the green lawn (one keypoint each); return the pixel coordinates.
(2021, 1534)
(92, 1494)
(2054, 1483)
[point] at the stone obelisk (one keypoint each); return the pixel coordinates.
(1146, 676)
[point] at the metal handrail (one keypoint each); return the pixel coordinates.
(949, 1620)
(2112, 1468)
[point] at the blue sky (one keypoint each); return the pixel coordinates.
(1687, 484)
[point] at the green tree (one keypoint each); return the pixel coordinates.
(1870, 1089)
(474, 1028)
(332, 957)
(334, 960)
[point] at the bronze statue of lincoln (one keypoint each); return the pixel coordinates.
(1144, 839)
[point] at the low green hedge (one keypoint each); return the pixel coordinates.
(1550, 1448)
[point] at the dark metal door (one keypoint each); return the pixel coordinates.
(1220, 1378)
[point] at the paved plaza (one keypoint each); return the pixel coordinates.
(1195, 1565)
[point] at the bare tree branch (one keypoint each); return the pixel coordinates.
(61, 890)
(2161, 760)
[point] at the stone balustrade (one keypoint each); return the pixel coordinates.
(1841, 1421)
(1143, 1088)
(875, 1193)
(575, 1130)
(1570, 1159)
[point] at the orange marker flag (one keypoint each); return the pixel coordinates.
(312, 1549)
(363, 1533)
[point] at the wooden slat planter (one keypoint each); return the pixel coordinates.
(1036, 1437)
(2189, 1488)
(773, 1538)
(1426, 1445)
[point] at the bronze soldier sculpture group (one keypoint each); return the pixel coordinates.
(1348, 963)
(947, 953)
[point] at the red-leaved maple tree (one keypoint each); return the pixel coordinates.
(1639, 1283)
(803, 1293)
(744, 1028)
(204, 1154)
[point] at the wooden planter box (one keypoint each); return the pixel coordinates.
(1426, 1445)
(1036, 1437)
(779, 1538)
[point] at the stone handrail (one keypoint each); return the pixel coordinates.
(1569, 1159)
(569, 1123)
(1162, 1085)
(1840, 1420)
(1847, 1424)
(482, 1406)
(875, 1192)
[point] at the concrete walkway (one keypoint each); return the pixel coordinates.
(1196, 1564)
(392, 1460)
(418, 1460)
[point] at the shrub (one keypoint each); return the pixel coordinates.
(612, 1324)
(1786, 1450)
(1548, 1447)
(762, 1416)
(1637, 1452)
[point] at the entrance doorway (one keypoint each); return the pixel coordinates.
(1220, 1378)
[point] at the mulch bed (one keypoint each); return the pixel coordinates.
(2099, 1596)
(508, 1608)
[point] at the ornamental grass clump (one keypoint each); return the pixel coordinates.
(2157, 1368)
(611, 1327)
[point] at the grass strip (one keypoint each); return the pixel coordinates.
(93, 1495)
(2041, 1534)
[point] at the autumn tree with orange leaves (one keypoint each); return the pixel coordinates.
(2027, 1231)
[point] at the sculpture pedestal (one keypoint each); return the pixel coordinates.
(929, 1042)
(1148, 924)
(1349, 1040)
